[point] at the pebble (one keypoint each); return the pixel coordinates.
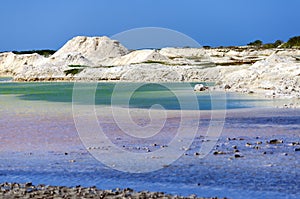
(15, 190)
(248, 144)
(219, 153)
(275, 141)
(237, 156)
(294, 144)
(185, 148)
(297, 149)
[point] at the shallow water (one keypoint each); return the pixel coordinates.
(143, 97)
(5, 79)
(38, 139)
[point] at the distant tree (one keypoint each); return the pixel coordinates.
(273, 45)
(270, 45)
(255, 43)
(278, 43)
(206, 47)
(292, 42)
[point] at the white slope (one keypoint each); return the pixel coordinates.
(89, 50)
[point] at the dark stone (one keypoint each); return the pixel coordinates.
(237, 156)
(219, 153)
(275, 141)
(295, 143)
(227, 86)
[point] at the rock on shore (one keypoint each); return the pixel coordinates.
(273, 72)
(27, 190)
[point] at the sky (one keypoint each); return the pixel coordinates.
(48, 24)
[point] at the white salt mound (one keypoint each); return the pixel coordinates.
(139, 56)
(93, 49)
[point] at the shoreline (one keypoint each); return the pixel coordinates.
(16, 190)
(291, 101)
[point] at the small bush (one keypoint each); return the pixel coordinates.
(273, 45)
(77, 66)
(73, 71)
(278, 43)
(292, 42)
(45, 53)
(154, 62)
(257, 43)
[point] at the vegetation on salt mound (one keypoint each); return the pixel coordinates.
(260, 44)
(291, 43)
(77, 66)
(73, 71)
(45, 53)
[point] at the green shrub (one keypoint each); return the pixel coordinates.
(73, 71)
(292, 42)
(278, 43)
(77, 66)
(45, 53)
(257, 43)
(154, 62)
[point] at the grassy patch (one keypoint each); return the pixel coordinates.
(155, 62)
(77, 66)
(104, 66)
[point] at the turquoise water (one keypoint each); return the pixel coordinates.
(144, 97)
(4, 79)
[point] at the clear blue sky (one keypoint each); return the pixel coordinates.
(48, 24)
